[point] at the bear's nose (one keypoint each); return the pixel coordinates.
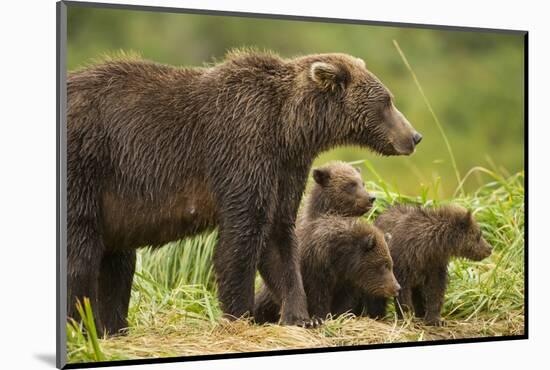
(417, 138)
(372, 198)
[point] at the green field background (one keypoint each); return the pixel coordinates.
(474, 81)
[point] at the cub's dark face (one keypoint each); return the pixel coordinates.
(343, 189)
(372, 270)
(365, 106)
(473, 245)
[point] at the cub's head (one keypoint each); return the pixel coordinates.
(340, 190)
(468, 241)
(370, 264)
(358, 109)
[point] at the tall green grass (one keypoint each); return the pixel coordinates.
(177, 278)
(432, 113)
(82, 338)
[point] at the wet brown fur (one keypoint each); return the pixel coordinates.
(423, 241)
(157, 153)
(340, 256)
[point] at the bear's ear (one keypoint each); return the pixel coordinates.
(321, 176)
(328, 76)
(387, 237)
(358, 169)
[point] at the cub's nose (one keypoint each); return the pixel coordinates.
(417, 138)
(372, 198)
(395, 290)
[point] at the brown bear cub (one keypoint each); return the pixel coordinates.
(340, 256)
(423, 241)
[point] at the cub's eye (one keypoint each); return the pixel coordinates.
(387, 265)
(350, 187)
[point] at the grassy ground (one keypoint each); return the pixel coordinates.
(174, 312)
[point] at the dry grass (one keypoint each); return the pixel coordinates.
(191, 337)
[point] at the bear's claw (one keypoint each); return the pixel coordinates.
(310, 323)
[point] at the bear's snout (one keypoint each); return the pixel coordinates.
(486, 249)
(417, 138)
(364, 203)
(401, 134)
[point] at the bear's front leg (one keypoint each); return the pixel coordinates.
(403, 303)
(434, 292)
(265, 307)
(375, 306)
(319, 302)
(280, 269)
(280, 263)
(418, 301)
(241, 236)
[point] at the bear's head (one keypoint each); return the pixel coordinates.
(355, 106)
(367, 264)
(340, 190)
(468, 241)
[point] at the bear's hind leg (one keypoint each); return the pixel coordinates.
(84, 253)
(115, 285)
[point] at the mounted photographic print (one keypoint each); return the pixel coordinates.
(235, 184)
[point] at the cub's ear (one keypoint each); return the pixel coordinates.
(321, 176)
(358, 169)
(466, 219)
(368, 243)
(329, 76)
(387, 237)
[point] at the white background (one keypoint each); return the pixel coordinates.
(27, 182)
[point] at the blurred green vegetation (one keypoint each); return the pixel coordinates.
(475, 81)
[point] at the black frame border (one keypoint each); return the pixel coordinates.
(61, 211)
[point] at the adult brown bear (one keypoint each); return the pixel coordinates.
(158, 153)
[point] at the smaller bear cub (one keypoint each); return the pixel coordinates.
(423, 241)
(340, 256)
